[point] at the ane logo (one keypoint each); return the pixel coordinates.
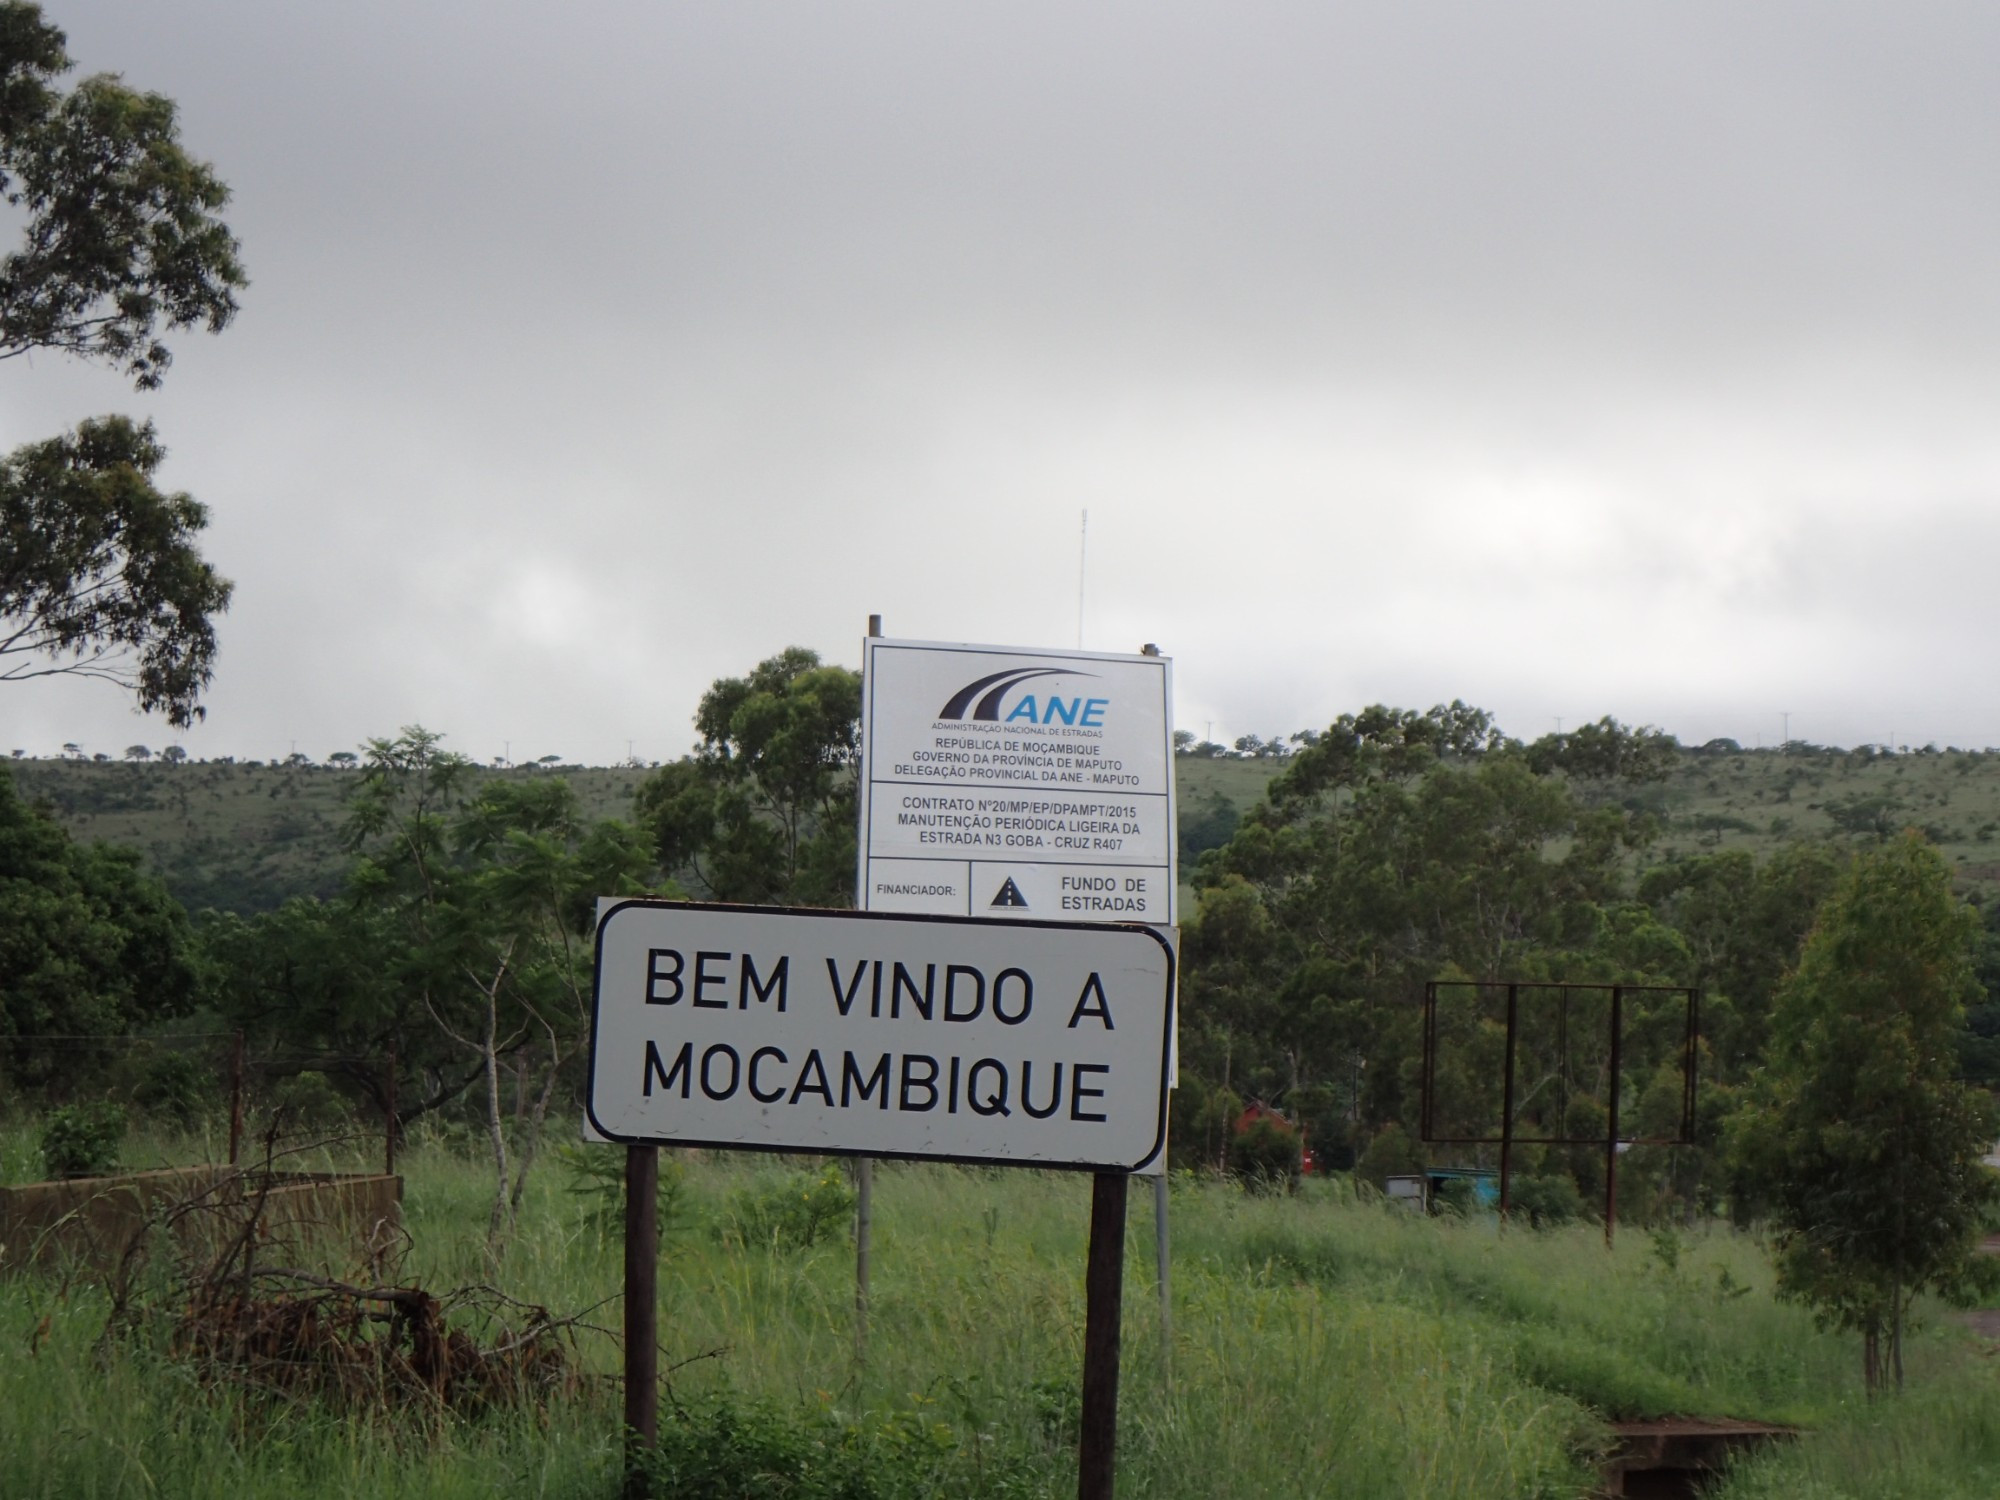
(1046, 708)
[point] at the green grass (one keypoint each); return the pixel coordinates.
(1755, 800)
(1322, 1346)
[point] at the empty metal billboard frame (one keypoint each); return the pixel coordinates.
(1610, 1141)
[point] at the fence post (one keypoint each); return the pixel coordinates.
(235, 1097)
(1611, 1123)
(389, 1132)
(1506, 1114)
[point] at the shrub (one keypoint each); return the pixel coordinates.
(1266, 1155)
(1546, 1202)
(173, 1086)
(722, 1449)
(597, 1180)
(310, 1102)
(794, 1212)
(82, 1140)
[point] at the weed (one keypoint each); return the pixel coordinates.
(721, 1447)
(82, 1140)
(596, 1179)
(793, 1212)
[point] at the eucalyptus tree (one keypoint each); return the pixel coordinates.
(764, 810)
(121, 245)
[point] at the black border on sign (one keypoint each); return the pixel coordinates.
(843, 913)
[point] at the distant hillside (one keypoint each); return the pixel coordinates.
(1752, 799)
(244, 837)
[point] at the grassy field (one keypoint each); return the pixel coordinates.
(1323, 1346)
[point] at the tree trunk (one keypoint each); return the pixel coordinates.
(1896, 1338)
(531, 1139)
(1871, 1360)
(496, 1129)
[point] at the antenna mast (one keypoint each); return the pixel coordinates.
(1082, 555)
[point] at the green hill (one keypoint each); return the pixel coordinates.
(244, 836)
(1736, 799)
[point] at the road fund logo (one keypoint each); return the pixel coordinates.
(1033, 708)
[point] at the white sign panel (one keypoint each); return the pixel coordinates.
(1025, 1043)
(1016, 784)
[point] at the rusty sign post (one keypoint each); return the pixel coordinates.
(642, 1314)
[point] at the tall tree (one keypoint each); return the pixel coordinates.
(1864, 1142)
(764, 810)
(491, 889)
(121, 245)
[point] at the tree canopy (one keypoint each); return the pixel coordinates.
(99, 571)
(89, 944)
(764, 810)
(121, 245)
(121, 242)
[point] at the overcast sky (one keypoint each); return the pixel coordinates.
(1570, 359)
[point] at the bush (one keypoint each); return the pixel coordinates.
(597, 1179)
(308, 1101)
(1546, 1202)
(82, 1140)
(795, 1212)
(721, 1449)
(173, 1086)
(1455, 1196)
(1393, 1153)
(1266, 1155)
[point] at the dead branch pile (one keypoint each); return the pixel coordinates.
(369, 1344)
(356, 1347)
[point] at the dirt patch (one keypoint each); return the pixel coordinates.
(1984, 1321)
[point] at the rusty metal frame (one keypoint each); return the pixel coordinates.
(1611, 1140)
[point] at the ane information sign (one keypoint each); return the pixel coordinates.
(1019, 1042)
(1016, 784)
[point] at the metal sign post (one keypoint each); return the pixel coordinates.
(1103, 1306)
(864, 1168)
(642, 1313)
